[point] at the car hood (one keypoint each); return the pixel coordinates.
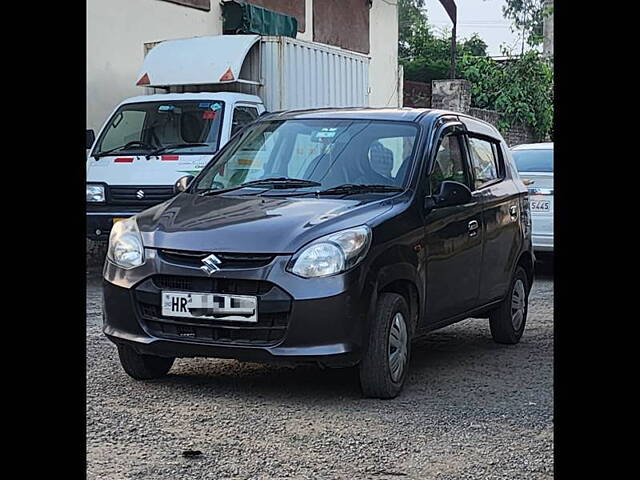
(251, 224)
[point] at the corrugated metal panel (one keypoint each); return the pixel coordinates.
(293, 74)
(298, 74)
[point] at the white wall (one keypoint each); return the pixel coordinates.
(118, 29)
(116, 33)
(383, 69)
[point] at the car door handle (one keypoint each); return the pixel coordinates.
(473, 228)
(513, 211)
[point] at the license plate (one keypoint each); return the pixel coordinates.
(116, 220)
(540, 205)
(211, 306)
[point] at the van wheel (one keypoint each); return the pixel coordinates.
(507, 321)
(143, 367)
(383, 368)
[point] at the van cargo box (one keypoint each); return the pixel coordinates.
(286, 73)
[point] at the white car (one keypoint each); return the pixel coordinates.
(534, 162)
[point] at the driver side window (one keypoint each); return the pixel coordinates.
(448, 163)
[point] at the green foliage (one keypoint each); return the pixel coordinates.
(520, 89)
(528, 16)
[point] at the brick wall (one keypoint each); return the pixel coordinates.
(515, 135)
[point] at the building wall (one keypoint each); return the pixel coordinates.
(116, 32)
(386, 90)
(118, 29)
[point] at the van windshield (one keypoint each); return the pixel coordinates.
(185, 127)
(328, 152)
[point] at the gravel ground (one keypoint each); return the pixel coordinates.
(470, 409)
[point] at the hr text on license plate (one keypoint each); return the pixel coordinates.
(210, 306)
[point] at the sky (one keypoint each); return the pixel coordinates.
(481, 16)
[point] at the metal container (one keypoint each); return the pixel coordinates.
(286, 73)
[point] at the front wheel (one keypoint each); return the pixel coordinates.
(507, 321)
(383, 368)
(143, 367)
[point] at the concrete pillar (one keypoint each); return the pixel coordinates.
(451, 95)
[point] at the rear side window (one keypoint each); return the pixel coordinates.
(533, 160)
(484, 160)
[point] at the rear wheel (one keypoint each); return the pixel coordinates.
(508, 320)
(143, 367)
(383, 368)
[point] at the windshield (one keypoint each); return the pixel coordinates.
(142, 128)
(533, 160)
(328, 152)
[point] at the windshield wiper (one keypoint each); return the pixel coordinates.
(123, 147)
(350, 188)
(275, 182)
(172, 146)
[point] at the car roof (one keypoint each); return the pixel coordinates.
(350, 113)
(534, 146)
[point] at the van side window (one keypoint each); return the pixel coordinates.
(241, 116)
(448, 163)
(484, 159)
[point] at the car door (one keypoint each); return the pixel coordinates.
(501, 212)
(453, 235)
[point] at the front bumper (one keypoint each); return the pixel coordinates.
(299, 320)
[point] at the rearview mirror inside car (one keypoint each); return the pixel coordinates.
(182, 183)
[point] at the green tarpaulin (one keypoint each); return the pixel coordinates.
(243, 18)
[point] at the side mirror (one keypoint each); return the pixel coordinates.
(91, 137)
(182, 183)
(450, 194)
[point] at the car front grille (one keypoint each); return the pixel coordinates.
(268, 330)
(212, 285)
(229, 261)
(139, 195)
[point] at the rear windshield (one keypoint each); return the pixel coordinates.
(533, 160)
(181, 126)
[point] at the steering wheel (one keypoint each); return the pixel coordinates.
(137, 142)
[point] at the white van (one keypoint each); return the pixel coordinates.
(215, 86)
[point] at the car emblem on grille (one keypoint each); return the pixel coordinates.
(210, 264)
(140, 194)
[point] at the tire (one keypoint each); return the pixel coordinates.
(506, 326)
(377, 379)
(143, 367)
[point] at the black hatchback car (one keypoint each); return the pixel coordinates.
(332, 236)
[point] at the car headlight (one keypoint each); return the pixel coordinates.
(332, 254)
(95, 193)
(125, 244)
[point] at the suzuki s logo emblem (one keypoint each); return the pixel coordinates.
(210, 264)
(140, 194)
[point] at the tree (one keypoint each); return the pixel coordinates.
(425, 55)
(527, 16)
(520, 89)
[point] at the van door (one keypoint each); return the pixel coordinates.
(453, 235)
